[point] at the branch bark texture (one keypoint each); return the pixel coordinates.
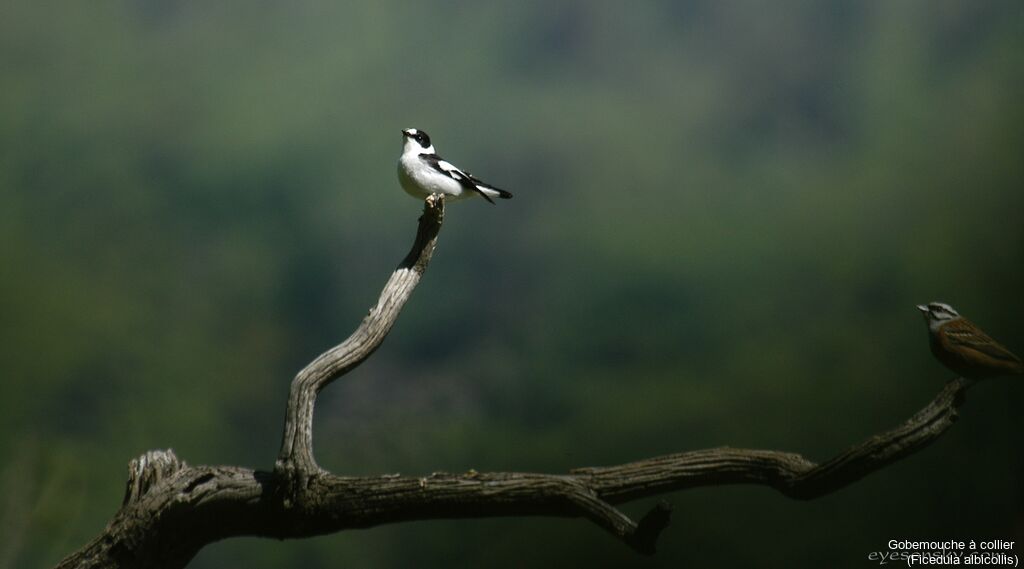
(171, 510)
(296, 453)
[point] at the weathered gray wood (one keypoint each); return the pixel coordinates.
(296, 454)
(171, 510)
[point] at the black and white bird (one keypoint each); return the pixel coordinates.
(422, 172)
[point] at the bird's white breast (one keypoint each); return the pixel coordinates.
(406, 180)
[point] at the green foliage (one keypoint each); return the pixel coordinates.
(724, 214)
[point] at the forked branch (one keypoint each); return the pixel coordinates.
(171, 510)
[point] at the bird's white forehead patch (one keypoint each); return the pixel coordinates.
(940, 312)
(411, 131)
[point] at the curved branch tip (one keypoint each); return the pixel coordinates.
(147, 470)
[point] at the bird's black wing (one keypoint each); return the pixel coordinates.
(480, 183)
(445, 167)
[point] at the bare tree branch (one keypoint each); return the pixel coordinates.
(297, 447)
(171, 510)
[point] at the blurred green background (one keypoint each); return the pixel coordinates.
(724, 214)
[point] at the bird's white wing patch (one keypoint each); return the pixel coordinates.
(452, 170)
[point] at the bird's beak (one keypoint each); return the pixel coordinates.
(923, 308)
(405, 132)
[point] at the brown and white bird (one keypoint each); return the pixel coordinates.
(963, 347)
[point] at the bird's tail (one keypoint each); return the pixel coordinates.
(495, 192)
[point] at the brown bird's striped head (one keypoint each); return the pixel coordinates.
(937, 313)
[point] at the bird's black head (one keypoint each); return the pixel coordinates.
(419, 136)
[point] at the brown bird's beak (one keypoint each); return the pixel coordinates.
(923, 308)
